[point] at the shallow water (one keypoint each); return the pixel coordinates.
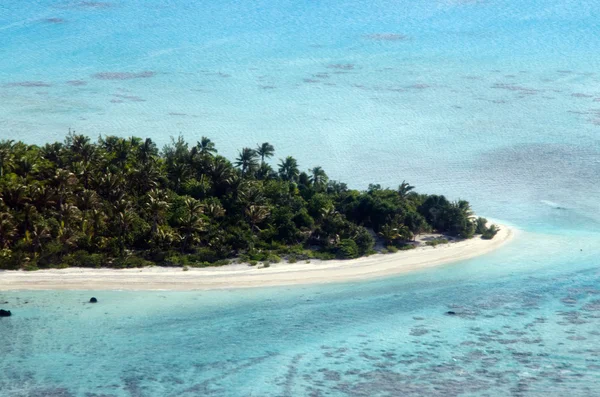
(494, 101)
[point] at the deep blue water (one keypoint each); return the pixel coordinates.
(494, 101)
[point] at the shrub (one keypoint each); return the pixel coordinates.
(436, 241)
(364, 241)
(272, 258)
(131, 262)
(84, 259)
(406, 247)
(30, 267)
(391, 249)
(347, 249)
(292, 259)
(221, 262)
(252, 263)
(480, 225)
(185, 268)
(490, 232)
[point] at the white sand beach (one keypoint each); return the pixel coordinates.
(244, 276)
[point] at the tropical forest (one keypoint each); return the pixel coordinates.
(124, 202)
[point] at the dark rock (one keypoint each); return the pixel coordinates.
(450, 313)
(5, 313)
(93, 300)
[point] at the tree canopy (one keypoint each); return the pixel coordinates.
(122, 202)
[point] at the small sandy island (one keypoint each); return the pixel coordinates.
(244, 276)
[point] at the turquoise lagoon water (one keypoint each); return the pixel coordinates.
(494, 101)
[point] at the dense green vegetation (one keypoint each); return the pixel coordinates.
(121, 202)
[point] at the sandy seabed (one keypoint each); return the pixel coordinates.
(244, 276)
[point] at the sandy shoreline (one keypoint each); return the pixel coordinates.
(244, 276)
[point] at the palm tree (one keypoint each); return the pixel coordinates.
(147, 151)
(8, 230)
(164, 237)
(265, 150)
(256, 214)
(214, 210)
(110, 185)
(83, 170)
(53, 152)
(221, 173)
(81, 147)
(390, 233)
(14, 194)
(404, 189)
(465, 208)
(36, 237)
(247, 161)
(192, 221)
(123, 216)
(146, 177)
(64, 181)
(206, 147)
(318, 177)
(156, 205)
(288, 169)
(178, 174)
(24, 166)
(265, 171)
(6, 156)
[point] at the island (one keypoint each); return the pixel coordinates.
(122, 203)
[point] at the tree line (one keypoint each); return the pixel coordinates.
(122, 202)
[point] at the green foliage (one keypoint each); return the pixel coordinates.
(480, 225)
(364, 241)
(347, 249)
(490, 232)
(121, 202)
(391, 249)
(436, 241)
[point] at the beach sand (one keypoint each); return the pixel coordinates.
(244, 276)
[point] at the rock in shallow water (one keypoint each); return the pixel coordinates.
(93, 300)
(5, 313)
(450, 313)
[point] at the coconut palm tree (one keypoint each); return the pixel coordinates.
(123, 216)
(8, 230)
(214, 210)
(206, 147)
(157, 205)
(179, 174)
(221, 173)
(256, 214)
(265, 150)
(6, 157)
(147, 151)
(390, 233)
(288, 169)
(318, 177)
(247, 161)
(36, 237)
(404, 189)
(65, 181)
(465, 208)
(191, 222)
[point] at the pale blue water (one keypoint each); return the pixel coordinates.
(494, 101)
